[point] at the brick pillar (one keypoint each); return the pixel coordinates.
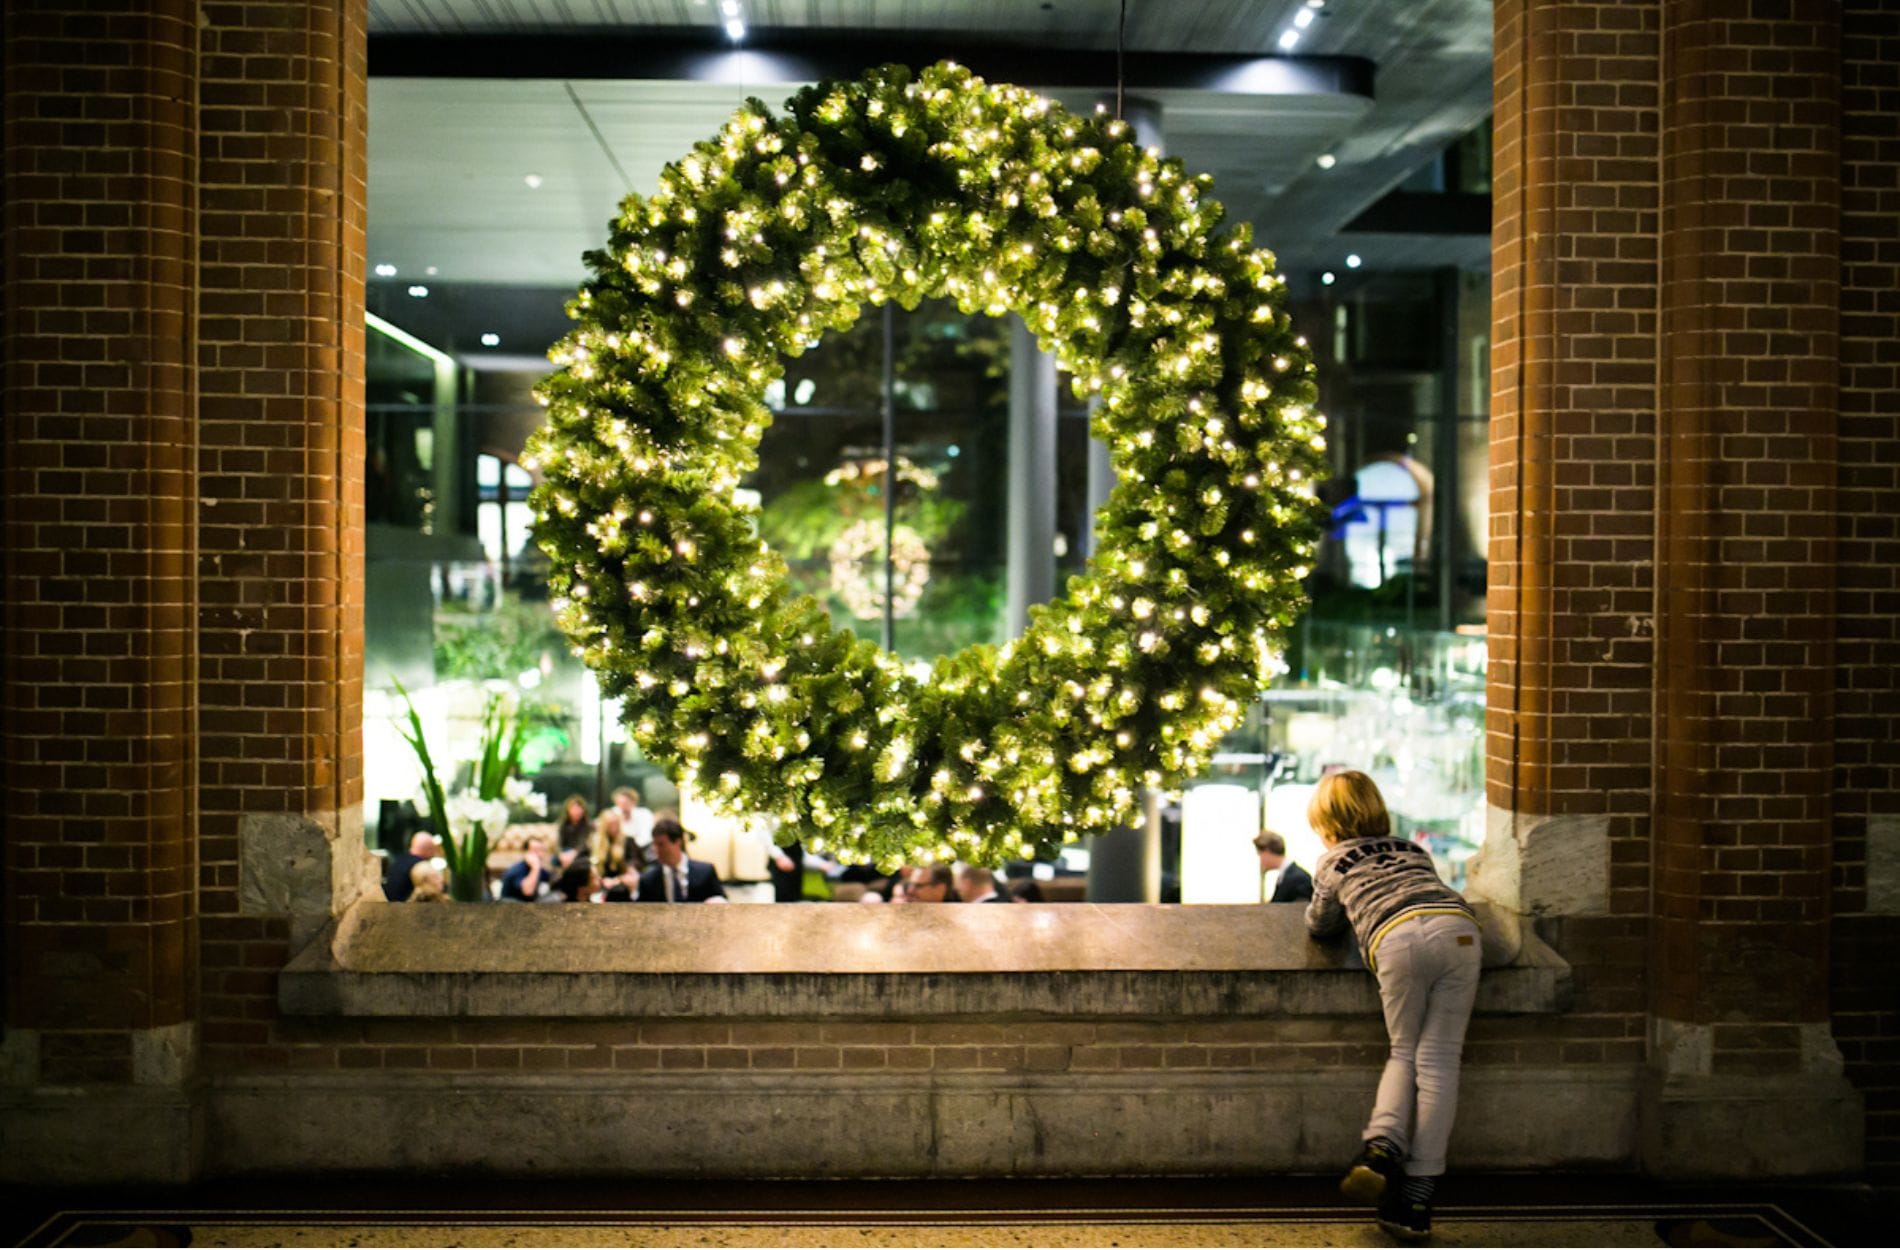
(281, 363)
(100, 271)
(183, 269)
(1865, 966)
(1572, 430)
(1749, 371)
(1664, 353)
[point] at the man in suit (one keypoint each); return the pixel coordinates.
(928, 883)
(674, 878)
(978, 885)
(1295, 884)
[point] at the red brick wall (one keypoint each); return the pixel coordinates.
(1272, 1044)
(1866, 780)
(1745, 565)
(280, 358)
(100, 492)
(185, 196)
(184, 358)
(1573, 397)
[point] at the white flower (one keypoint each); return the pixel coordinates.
(520, 792)
(469, 809)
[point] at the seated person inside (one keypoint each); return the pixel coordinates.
(674, 878)
(397, 883)
(525, 881)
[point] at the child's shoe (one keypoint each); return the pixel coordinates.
(1406, 1212)
(1375, 1170)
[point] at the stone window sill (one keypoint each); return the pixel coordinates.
(855, 962)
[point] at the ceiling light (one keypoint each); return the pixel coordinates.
(1327, 160)
(430, 271)
(419, 292)
(1328, 278)
(385, 270)
(1315, 4)
(491, 339)
(735, 29)
(533, 181)
(1303, 18)
(1353, 261)
(729, 7)
(1288, 39)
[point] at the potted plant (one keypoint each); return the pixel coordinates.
(465, 823)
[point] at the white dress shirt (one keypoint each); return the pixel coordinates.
(639, 826)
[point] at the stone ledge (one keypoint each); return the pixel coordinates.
(1072, 961)
(94, 1134)
(829, 1124)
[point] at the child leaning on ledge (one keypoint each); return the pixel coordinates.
(1420, 938)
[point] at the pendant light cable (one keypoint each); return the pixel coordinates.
(1121, 27)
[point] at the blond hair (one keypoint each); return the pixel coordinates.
(1348, 805)
(426, 879)
(608, 847)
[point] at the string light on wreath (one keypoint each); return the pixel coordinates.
(783, 227)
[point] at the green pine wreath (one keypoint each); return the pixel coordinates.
(902, 186)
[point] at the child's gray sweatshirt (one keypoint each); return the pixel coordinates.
(1371, 883)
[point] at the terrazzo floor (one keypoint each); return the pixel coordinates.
(1590, 1211)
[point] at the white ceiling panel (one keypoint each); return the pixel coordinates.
(449, 159)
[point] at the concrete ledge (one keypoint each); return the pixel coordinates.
(892, 1124)
(1082, 960)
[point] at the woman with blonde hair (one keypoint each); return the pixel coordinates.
(1420, 938)
(608, 847)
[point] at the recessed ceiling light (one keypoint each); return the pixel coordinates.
(1315, 4)
(385, 270)
(1327, 160)
(419, 291)
(491, 339)
(729, 7)
(430, 271)
(1288, 39)
(1328, 278)
(1303, 18)
(533, 181)
(1353, 261)
(735, 29)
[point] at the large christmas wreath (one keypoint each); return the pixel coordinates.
(901, 186)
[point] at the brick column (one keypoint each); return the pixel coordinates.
(281, 362)
(101, 804)
(1750, 290)
(1749, 370)
(1572, 435)
(184, 211)
(1666, 275)
(1865, 966)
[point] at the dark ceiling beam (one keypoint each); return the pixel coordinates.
(1424, 212)
(778, 59)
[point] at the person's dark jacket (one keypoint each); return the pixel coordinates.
(788, 884)
(702, 883)
(397, 887)
(514, 882)
(1294, 886)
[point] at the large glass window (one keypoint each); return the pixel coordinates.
(884, 483)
